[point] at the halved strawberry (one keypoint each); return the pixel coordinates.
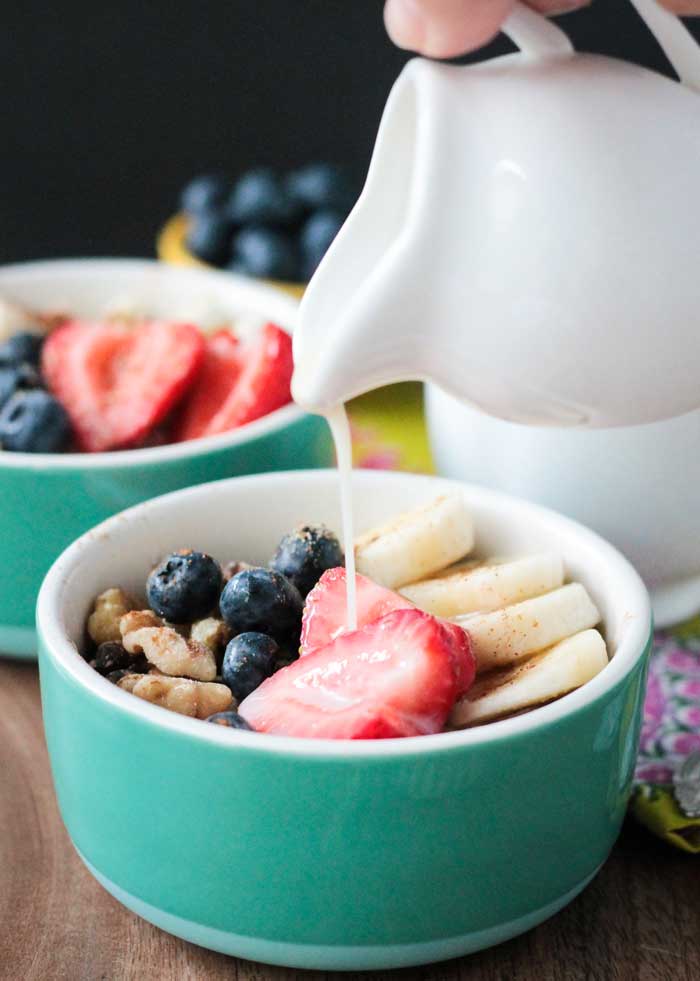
(217, 376)
(117, 382)
(393, 677)
(325, 610)
(325, 617)
(463, 659)
(262, 385)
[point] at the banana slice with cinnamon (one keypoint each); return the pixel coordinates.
(483, 586)
(503, 637)
(542, 678)
(416, 544)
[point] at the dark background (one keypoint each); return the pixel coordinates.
(108, 108)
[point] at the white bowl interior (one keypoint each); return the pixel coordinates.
(244, 518)
(93, 287)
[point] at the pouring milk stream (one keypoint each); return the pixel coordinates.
(527, 238)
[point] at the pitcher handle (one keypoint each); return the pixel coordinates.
(537, 37)
(674, 39)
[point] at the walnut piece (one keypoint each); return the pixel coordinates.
(108, 609)
(166, 650)
(232, 569)
(128, 681)
(213, 633)
(197, 699)
(136, 619)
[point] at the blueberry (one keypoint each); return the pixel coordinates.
(139, 666)
(9, 383)
(259, 251)
(232, 720)
(316, 236)
(33, 421)
(262, 600)
(111, 656)
(249, 659)
(208, 237)
(204, 193)
(258, 198)
(15, 377)
(20, 349)
(305, 554)
(185, 586)
(28, 376)
(321, 185)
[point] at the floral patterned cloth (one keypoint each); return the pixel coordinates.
(389, 434)
(670, 734)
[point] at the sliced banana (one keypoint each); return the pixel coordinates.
(502, 637)
(542, 678)
(417, 543)
(471, 587)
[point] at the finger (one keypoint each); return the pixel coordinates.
(686, 8)
(551, 7)
(444, 28)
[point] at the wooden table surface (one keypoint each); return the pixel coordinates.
(638, 920)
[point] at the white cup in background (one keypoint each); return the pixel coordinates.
(637, 486)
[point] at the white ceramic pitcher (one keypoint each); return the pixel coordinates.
(528, 238)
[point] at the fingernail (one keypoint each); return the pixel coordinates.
(405, 23)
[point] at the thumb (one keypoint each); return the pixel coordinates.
(445, 28)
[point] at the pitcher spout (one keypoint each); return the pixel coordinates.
(337, 357)
(342, 346)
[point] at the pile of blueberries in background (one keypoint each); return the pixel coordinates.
(31, 419)
(276, 226)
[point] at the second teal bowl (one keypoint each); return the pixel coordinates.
(47, 501)
(332, 855)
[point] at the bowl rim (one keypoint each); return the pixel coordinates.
(55, 645)
(258, 294)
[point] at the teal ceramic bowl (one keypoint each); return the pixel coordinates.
(49, 500)
(337, 855)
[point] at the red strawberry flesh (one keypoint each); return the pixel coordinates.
(393, 677)
(463, 659)
(217, 376)
(325, 610)
(118, 382)
(262, 385)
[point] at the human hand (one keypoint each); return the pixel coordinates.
(446, 28)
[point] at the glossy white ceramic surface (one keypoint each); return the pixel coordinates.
(527, 238)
